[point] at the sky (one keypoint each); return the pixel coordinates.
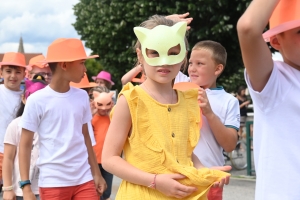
(39, 23)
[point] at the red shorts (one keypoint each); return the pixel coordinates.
(85, 191)
(215, 193)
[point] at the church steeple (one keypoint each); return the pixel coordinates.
(21, 47)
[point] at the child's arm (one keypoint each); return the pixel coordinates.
(226, 137)
(117, 134)
(25, 147)
(256, 54)
(7, 169)
(131, 74)
(100, 183)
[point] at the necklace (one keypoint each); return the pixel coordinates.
(151, 94)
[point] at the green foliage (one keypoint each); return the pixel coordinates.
(107, 28)
(93, 67)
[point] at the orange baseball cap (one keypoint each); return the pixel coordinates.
(286, 16)
(84, 83)
(66, 50)
(37, 61)
(14, 59)
(183, 86)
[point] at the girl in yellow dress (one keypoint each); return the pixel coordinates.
(156, 126)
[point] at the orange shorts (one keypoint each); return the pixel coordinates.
(1, 161)
(215, 193)
(85, 191)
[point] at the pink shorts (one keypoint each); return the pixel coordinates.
(215, 193)
(85, 191)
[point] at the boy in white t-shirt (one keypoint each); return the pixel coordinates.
(220, 110)
(11, 174)
(275, 90)
(13, 72)
(59, 114)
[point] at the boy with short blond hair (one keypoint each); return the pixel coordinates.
(60, 113)
(275, 90)
(13, 72)
(220, 110)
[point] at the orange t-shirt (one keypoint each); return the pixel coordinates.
(100, 126)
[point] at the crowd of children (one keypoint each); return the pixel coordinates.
(63, 137)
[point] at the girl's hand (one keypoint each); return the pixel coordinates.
(100, 184)
(225, 180)
(181, 18)
(204, 103)
(9, 195)
(168, 185)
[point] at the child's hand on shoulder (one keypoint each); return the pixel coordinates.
(168, 185)
(204, 103)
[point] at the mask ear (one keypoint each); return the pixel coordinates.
(111, 94)
(95, 94)
(180, 28)
(141, 33)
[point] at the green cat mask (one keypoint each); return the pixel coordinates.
(161, 39)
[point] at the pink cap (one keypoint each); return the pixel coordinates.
(105, 76)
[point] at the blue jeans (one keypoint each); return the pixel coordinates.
(108, 177)
(21, 198)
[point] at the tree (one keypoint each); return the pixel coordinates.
(93, 67)
(107, 28)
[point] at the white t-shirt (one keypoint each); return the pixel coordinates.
(58, 119)
(181, 77)
(227, 108)
(12, 136)
(91, 133)
(9, 104)
(277, 134)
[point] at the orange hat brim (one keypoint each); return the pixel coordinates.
(69, 59)
(280, 28)
(90, 85)
(12, 64)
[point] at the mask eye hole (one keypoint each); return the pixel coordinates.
(152, 53)
(173, 51)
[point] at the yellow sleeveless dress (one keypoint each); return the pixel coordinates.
(162, 141)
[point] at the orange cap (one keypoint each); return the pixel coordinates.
(66, 50)
(36, 61)
(15, 59)
(183, 86)
(139, 80)
(286, 16)
(84, 83)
